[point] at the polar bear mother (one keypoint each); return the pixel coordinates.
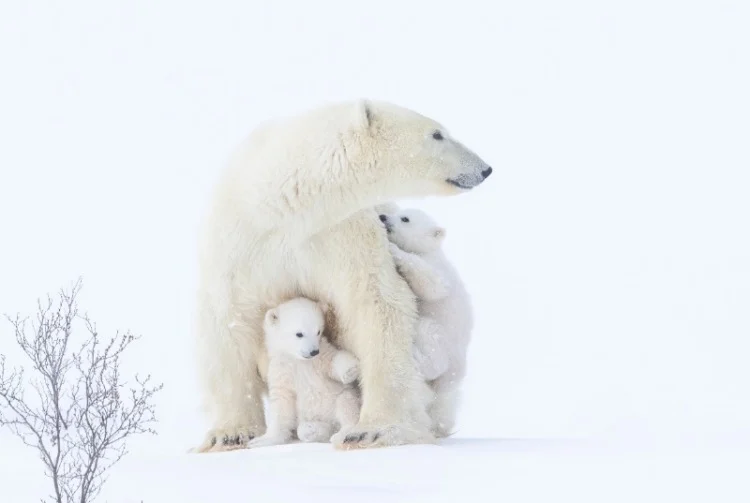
(293, 215)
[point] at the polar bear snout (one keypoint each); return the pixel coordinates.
(309, 352)
(470, 180)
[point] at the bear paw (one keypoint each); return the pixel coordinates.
(226, 439)
(396, 251)
(314, 431)
(346, 367)
(363, 437)
(267, 440)
(350, 375)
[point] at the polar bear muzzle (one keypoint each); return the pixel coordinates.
(468, 181)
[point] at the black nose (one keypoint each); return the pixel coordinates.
(383, 218)
(314, 353)
(487, 172)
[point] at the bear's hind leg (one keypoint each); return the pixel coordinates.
(430, 351)
(444, 408)
(347, 413)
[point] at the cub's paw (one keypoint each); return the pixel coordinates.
(395, 250)
(364, 437)
(227, 439)
(314, 431)
(350, 375)
(346, 367)
(440, 288)
(267, 440)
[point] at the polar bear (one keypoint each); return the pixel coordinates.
(293, 215)
(445, 314)
(309, 381)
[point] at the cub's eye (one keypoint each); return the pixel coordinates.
(405, 219)
(299, 334)
(318, 332)
(437, 135)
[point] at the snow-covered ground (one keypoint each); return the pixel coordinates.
(476, 470)
(608, 257)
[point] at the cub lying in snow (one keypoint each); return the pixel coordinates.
(309, 380)
(445, 314)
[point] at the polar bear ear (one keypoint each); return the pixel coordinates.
(324, 307)
(364, 114)
(388, 208)
(439, 233)
(272, 316)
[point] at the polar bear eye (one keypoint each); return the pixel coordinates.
(318, 332)
(405, 220)
(299, 334)
(437, 135)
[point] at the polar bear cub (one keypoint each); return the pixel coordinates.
(445, 314)
(309, 380)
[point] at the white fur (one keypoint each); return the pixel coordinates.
(309, 393)
(293, 216)
(445, 314)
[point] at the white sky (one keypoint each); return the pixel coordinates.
(608, 256)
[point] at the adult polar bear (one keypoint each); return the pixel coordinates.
(293, 214)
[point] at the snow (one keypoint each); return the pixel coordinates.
(607, 257)
(519, 470)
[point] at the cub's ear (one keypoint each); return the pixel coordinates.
(388, 208)
(439, 233)
(323, 306)
(364, 114)
(272, 316)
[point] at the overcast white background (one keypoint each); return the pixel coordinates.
(608, 256)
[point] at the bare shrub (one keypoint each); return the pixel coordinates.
(74, 407)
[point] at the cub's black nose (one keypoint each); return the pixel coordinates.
(314, 353)
(383, 218)
(487, 172)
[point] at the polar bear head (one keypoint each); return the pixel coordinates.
(294, 328)
(412, 150)
(413, 231)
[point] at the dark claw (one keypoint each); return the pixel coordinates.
(213, 441)
(237, 440)
(351, 438)
(225, 440)
(376, 437)
(361, 437)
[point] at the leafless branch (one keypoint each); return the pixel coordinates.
(80, 413)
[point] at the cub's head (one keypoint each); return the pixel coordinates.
(413, 230)
(415, 151)
(294, 328)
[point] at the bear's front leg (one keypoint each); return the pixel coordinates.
(377, 313)
(228, 363)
